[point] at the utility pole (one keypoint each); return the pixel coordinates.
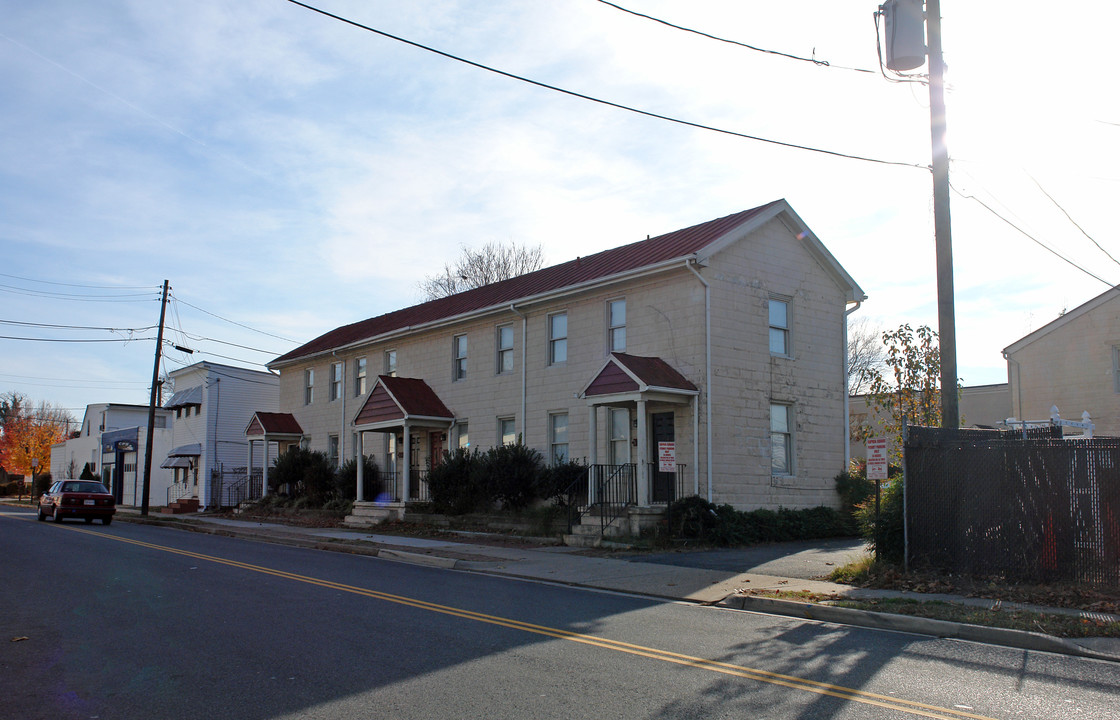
(152, 406)
(943, 236)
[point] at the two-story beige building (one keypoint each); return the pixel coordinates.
(1072, 363)
(711, 357)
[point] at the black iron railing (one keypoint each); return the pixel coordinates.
(607, 492)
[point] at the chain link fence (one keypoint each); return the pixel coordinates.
(1028, 506)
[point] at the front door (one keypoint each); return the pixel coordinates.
(663, 483)
(435, 454)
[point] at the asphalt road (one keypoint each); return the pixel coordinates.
(136, 621)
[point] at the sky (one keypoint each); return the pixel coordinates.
(289, 173)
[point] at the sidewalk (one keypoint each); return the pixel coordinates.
(572, 566)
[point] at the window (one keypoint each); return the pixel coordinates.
(779, 327)
(359, 377)
(332, 449)
(507, 431)
(781, 440)
(308, 386)
(336, 381)
(505, 349)
(620, 436)
(391, 363)
(616, 326)
(558, 437)
(459, 351)
(463, 438)
(557, 338)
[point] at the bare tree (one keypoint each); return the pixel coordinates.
(867, 355)
(489, 264)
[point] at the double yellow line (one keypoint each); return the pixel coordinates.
(812, 686)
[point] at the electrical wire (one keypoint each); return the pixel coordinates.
(1070, 218)
(73, 296)
(199, 338)
(233, 322)
(607, 103)
(815, 61)
(108, 340)
(93, 287)
(76, 327)
(1030, 237)
(214, 354)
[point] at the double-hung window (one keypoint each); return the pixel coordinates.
(616, 325)
(505, 349)
(781, 440)
(459, 353)
(557, 338)
(336, 381)
(507, 431)
(391, 363)
(558, 437)
(359, 377)
(308, 386)
(332, 449)
(620, 436)
(779, 326)
(462, 436)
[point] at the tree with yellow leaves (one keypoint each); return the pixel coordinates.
(27, 433)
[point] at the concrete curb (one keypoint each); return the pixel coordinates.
(920, 626)
(418, 558)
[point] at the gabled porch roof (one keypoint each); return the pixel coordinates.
(397, 401)
(274, 425)
(626, 378)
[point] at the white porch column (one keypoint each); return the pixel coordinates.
(592, 451)
(643, 455)
(249, 460)
(406, 472)
(361, 467)
(696, 444)
(264, 467)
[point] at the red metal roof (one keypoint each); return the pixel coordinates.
(411, 397)
(651, 372)
(274, 423)
(677, 244)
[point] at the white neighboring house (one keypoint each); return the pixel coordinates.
(111, 440)
(209, 411)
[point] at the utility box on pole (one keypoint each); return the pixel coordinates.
(904, 34)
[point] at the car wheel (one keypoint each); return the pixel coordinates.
(41, 515)
(106, 520)
(56, 516)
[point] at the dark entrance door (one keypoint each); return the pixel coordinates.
(663, 483)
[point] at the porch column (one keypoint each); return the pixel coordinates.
(696, 444)
(643, 455)
(361, 467)
(406, 472)
(264, 466)
(249, 460)
(592, 450)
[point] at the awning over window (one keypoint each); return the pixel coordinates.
(176, 462)
(190, 396)
(192, 450)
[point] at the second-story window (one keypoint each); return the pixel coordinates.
(779, 327)
(391, 363)
(459, 353)
(336, 381)
(308, 386)
(616, 325)
(557, 338)
(505, 349)
(360, 377)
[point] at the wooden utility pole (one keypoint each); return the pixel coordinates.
(152, 406)
(943, 236)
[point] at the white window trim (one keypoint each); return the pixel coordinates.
(786, 333)
(553, 340)
(309, 386)
(552, 442)
(456, 358)
(501, 435)
(791, 458)
(498, 370)
(336, 381)
(391, 369)
(361, 375)
(611, 328)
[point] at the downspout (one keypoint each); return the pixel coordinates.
(524, 346)
(342, 410)
(707, 369)
(847, 403)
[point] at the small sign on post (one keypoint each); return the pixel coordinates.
(877, 458)
(667, 456)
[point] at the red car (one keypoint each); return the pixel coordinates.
(86, 499)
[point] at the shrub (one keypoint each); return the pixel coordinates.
(512, 473)
(346, 480)
(452, 484)
(556, 479)
(694, 517)
(854, 488)
(308, 474)
(87, 474)
(889, 542)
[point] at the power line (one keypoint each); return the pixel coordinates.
(199, 338)
(73, 296)
(74, 327)
(233, 322)
(1070, 218)
(108, 340)
(94, 287)
(1030, 237)
(600, 101)
(815, 61)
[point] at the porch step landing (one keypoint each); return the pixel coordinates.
(181, 506)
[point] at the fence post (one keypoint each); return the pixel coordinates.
(905, 515)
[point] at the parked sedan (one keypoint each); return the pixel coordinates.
(86, 499)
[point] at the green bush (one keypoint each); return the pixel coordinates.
(511, 473)
(308, 475)
(452, 484)
(694, 517)
(556, 479)
(854, 488)
(87, 474)
(346, 480)
(889, 542)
